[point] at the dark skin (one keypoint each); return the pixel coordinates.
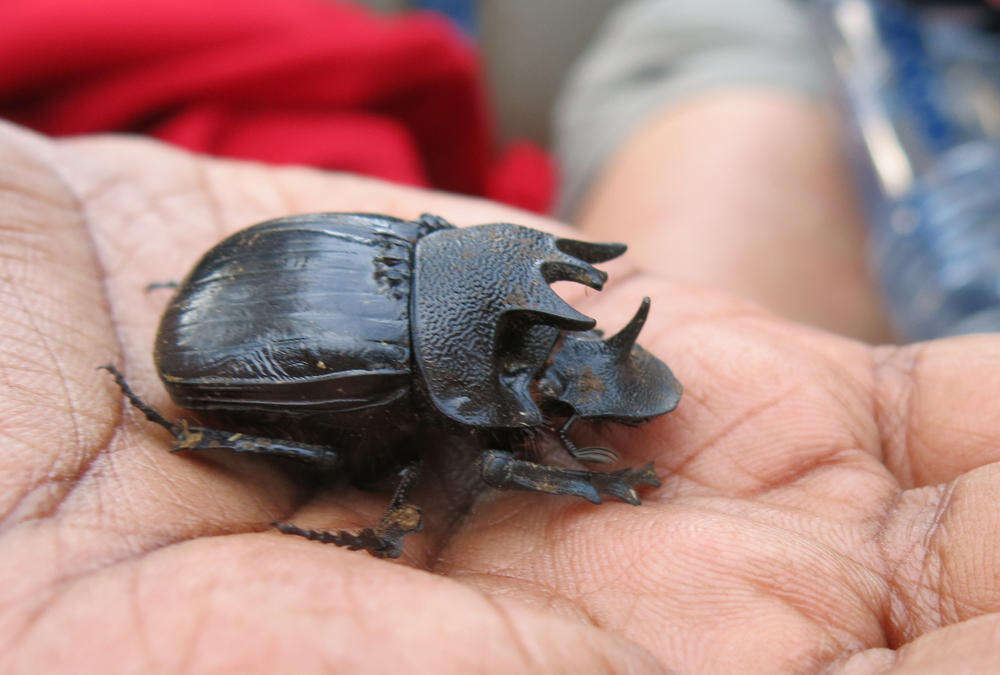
(825, 503)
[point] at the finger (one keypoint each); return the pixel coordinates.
(970, 646)
(942, 554)
(745, 192)
(938, 407)
(683, 579)
(54, 317)
(79, 489)
(248, 604)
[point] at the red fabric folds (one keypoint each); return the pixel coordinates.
(313, 82)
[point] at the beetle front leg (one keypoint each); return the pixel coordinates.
(385, 540)
(502, 471)
(203, 438)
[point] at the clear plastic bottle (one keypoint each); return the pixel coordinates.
(922, 91)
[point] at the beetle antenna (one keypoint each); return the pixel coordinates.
(592, 454)
(595, 454)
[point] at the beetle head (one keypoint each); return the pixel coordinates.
(613, 379)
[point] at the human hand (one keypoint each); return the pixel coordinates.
(825, 503)
(745, 189)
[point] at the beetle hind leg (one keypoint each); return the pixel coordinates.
(502, 471)
(385, 540)
(203, 438)
(150, 413)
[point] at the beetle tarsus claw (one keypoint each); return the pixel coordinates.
(385, 540)
(366, 539)
(614, 485)
(644, 475)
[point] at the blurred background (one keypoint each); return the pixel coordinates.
(529, 102)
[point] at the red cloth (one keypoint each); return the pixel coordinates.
(312, 82)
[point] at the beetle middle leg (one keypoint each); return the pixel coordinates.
(203, 438)
(502, 471)
(385, 540)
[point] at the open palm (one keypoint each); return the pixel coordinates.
(824, 503)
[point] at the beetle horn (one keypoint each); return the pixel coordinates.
(549, 309)
(621, 343)
(569, 260)
(562, 260)
(592, 252)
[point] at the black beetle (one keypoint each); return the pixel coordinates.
(335, 337)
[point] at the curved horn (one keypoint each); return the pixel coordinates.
(592, 252)
(621, 343)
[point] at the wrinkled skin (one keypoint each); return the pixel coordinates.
(825, 503)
